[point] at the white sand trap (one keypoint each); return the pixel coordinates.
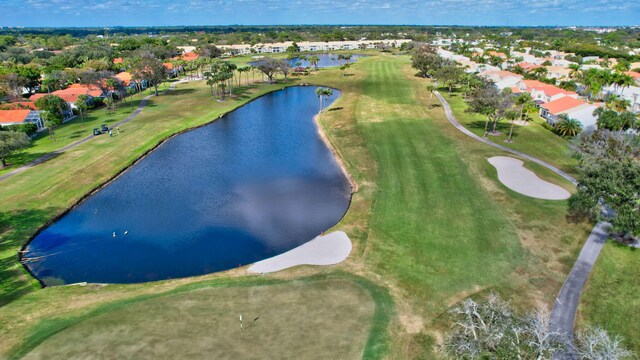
(323, 250)
(516, 177)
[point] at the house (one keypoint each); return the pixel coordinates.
(558, 72)
(498, 75)
(527, 66)
(573, 108)
(21, 116)
(542, 92)
(70, 96)
(497, 54)
(631, 93)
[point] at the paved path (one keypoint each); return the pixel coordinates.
(564, 311)
(327, 249)
(58, 152)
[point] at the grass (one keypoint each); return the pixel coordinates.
(321, 319)
(74, 130)
(610, 299)
(430, 221)
(532, 139)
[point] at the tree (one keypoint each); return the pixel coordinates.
(55, 80)
(322, 94)
(567, 127)
(344, 68)
(314, 60)
(13, 85)
(491, 329)
(612, 120)
(426, 60)
(271, 66)
(512, 115)
(52, 113)
(10, 142)
(81, 105)
(431, 88)
(491, 103)
(209, 51)
(595, 344)
(147, 67)
(448, 74)
(609, 175)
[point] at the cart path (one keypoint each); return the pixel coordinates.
(564, 310)
(58, 152)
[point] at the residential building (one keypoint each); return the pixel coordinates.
(573, 108)
(70, 96)
(21, 116)
(542, 92)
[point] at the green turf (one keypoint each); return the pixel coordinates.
(300, 320)
(611, 299)
(433, 228)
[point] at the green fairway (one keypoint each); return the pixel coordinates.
(433, 228)
(328, 319)
(611, 299)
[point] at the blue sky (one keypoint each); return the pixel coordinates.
(251, 12)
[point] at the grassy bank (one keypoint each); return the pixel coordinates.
(610, 299)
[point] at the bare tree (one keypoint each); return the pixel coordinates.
(595, 344)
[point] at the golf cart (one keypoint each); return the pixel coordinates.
(104, 128)
(96, 131)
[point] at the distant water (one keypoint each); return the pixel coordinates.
(252, 185)
(326, 60)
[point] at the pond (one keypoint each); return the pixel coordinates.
(326, 60)
(254, 184)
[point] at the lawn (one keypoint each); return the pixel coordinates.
(430, 221)
(74, 130)
(532, 139)
(611, 299)
(313, 319)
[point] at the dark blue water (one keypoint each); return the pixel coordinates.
(326, 60)
(249, 186)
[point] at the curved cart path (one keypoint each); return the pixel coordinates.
(564, 311)
(55, 153)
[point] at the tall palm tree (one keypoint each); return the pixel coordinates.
(575, 72)
(512, 115)
(322, 94)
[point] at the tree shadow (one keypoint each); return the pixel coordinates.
(175, 92)
(336, 109)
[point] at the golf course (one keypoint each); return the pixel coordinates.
(430, 223)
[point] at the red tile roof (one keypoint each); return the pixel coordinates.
(72, 93)
(118, 60)
(13, 116)
(563, 104)
(125, 77)
(550, 90)
(633, 74)
(190, 56)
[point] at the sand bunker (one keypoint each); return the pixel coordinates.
(513, 175)
(323, 250)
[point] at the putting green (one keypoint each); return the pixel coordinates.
(323, 319)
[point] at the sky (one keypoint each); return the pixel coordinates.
(104, 13)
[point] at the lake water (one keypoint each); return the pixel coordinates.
(246, 187)
(326, 60)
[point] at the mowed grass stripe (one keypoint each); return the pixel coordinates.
(434, 228)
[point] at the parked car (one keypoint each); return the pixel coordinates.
(104, 128)
(96, 131)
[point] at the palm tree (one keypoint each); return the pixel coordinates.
(568, 127)
(323, 93)
(81, 105)
(314, 60)
(575, 72)
(512, 115)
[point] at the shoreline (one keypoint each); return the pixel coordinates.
(337, 158)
